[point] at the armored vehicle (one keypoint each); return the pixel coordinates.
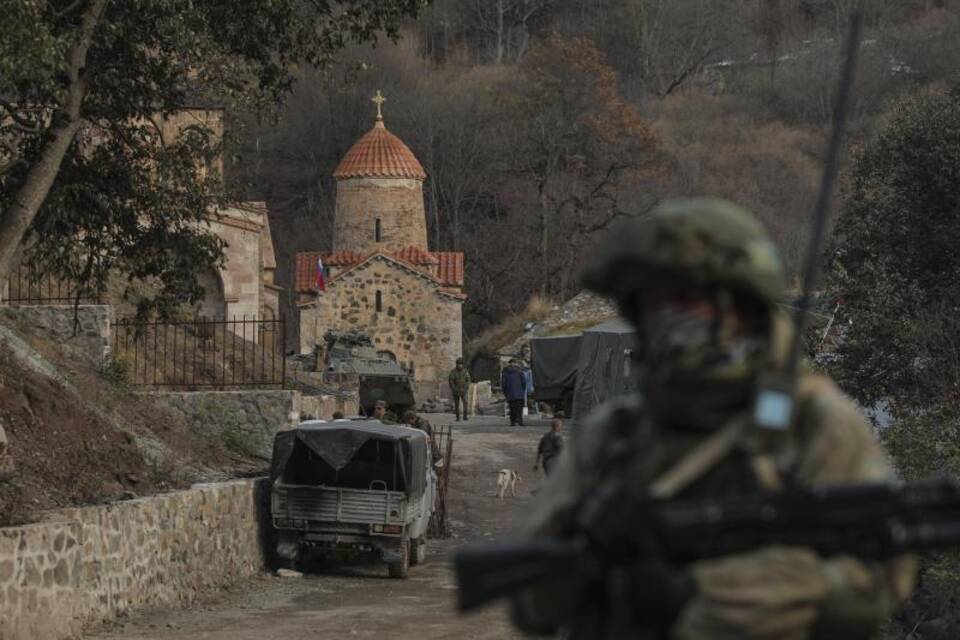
(351, 357)
(352, 490)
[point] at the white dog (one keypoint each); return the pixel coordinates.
(507, 480)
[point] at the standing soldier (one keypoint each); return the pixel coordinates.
(701, 280)
(411, 419)
(459, 386)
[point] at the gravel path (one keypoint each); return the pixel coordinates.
(359, 601)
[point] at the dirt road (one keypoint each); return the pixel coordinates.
(360, 602)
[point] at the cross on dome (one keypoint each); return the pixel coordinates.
(379, 100)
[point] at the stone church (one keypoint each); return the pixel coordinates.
(381, 277)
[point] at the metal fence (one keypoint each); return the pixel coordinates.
(201, 353)
(439, 527)
(30, 286)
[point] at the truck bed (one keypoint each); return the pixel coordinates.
(336, 504)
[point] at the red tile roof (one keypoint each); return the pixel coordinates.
(416, 255)
(341, 258)
(449, 270)
(379, 153)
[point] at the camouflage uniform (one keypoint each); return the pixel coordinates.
(776, 593)
(459, 381)
(411, 419)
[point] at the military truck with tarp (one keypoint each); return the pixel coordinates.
(606, 367)
(352, 490)
(351, 358)
(553, 362)
(577, 373)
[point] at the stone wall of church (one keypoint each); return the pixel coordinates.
(241, 273)
(396, 202)
(416, 323)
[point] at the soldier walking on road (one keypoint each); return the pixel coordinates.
(701, 280)
(459, 380)
(551, 444)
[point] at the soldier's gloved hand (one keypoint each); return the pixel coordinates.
(659, 591)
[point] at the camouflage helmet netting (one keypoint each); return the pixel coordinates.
(702, 241)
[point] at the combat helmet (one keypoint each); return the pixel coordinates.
(699, 241)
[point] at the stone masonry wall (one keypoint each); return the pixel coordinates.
(241, 273)
(57, 322)
(417, 323)
(86, 565)
(245, 420)
(397, 202)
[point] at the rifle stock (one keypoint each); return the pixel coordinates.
(488, 572)
(871, 521)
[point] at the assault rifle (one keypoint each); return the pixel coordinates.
(871, 521)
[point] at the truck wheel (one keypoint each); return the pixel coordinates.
(418, 551)
(400, 569)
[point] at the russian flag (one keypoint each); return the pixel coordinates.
(320, 284)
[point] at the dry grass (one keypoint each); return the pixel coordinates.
(510, 328)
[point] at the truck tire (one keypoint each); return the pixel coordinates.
(400, 569)
(418, 551)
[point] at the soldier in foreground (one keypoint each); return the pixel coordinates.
(701, 279)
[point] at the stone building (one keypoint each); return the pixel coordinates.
(245, 286)
(381, 278)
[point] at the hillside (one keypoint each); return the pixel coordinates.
(79, 435)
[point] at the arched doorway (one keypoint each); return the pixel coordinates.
(212, 305)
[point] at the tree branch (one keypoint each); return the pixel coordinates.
(64, 125)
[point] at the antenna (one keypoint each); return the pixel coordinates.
(774, 399)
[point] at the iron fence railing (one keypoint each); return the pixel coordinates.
(30, 286)
(201, 353)
(439, 526)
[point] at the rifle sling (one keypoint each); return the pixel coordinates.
(701, 459)
(765, 464)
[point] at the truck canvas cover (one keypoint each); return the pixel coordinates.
(605, 367)
(554, 360)
(352, 454)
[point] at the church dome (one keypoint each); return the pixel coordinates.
(379, 154)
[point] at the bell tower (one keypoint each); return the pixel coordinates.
(379, 194)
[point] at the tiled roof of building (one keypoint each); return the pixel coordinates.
(450, 271)
(379, 153)
(416, 255)
(449, 266)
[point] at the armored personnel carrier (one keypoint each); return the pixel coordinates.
(350, 357)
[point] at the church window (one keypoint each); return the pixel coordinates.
(379, 302)
(378, 230)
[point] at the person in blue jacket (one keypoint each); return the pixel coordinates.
(514, 386)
